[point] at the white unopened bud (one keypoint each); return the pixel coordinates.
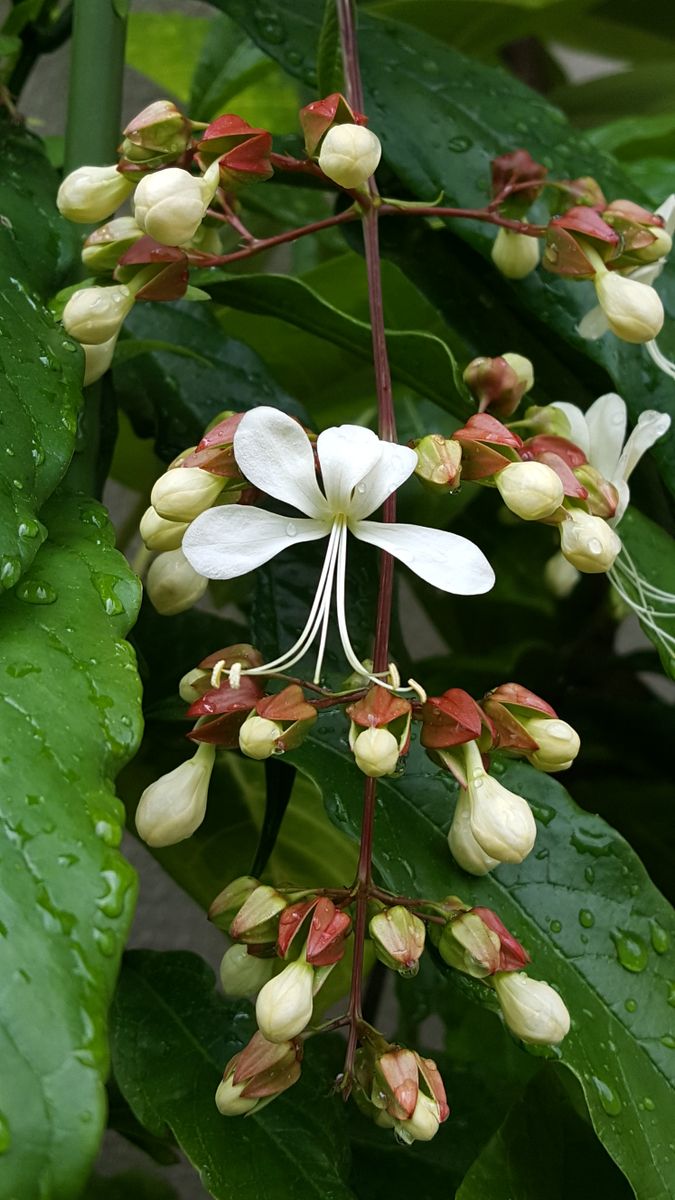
(423, 1124)
(172, 584)
(588, 542)
(169, 205)
(523, 369)
(659, 248)
(463, 845)
(634, 310)
(97, 359)
(284, 1006)
(242, 974)
(160, 534)
(229, 1099)
(95, 315)
(183, 493)
(530, 489)
(515, 255)
(172, 807)
(92, 193)
(501, 821)
(560, 576)
(258, 736)
(558, 743)
(376, 752)
(532, 1009)
(349, 155)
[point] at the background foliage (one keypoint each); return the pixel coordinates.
(448, 86)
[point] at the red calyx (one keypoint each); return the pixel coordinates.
(512, 956)
(450, 720)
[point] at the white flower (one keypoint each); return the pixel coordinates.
(92, 193)
(349, 155)
(558, 743)
(243, 974)
(284, 1005)
(530, 489)
(532, 1009)
(376, 752)
(633, 310)
(160, 534)
(258, 736)
(230, 1101)
(358, 472)
(172, 807)
(95, 315)
(515, 255)
(172, 584)
(423, 1124)
(170, 204)
(588, 542)
(500, 820)
(181, 493)
(463, 845)
(600, 432)
(97, 359)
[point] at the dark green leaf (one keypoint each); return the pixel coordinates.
(132, 1185)
(421, 360)
(330, 76)
(41, 369)
(173, 397)
(582, 905)
(544, 1148)
(171, 1037)
(228, 64)
(165, 46)
(70, 720)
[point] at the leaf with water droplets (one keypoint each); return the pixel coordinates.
(40, 369)
(69, 720)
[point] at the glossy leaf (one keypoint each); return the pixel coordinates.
(40, 368)
(164, 47)
(70, 719)
(172, 1036)
(421, 360)
(583, 907)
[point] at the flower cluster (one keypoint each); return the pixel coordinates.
(286, 943)
(182, 180)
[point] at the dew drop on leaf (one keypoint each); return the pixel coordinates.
(586, 918)
(608, 1098)
(659, 937)
(631, 951)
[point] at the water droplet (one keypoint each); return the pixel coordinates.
(586, 841)
(28, 528)
(631, 951)
(5, 1135)
(106, 586)
(361, 488)
(291, 529)
(586, 918)
(659, 937)
(269, 26)
(36, 591)
(106, 942)
(671, 995)
(555, 926)
(112, 903)
(108, 831)
(293, 57)
(608, 1098)
(589, 874)
(10, 570)
(543, 812)
(668, 1041)
(649, 1104)
(459, 144)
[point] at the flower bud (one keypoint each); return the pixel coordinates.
(560, 576)
(172, 585)
(258, 737)
(531, 1008)
(92, 193)
(172, 807)
(398, 936)
(257, 921)
(227, 903)
(182, 493)
(523, 369)
(169, 205)
(376, 752)
(349, 155)
(499, 383)
(659, 248)
(284, 1006)
(97, 359)
(439, 462)
(243, 974)
(258, 1073)
(423, 1124)
(530, 489)
(157, 135)
(515, 255)
(469, 946)
(588, 542)
(95, 314)
(106, 245)
(501, 821)
(558, 743)
(160, 534)
(633, 309)
(463, 845)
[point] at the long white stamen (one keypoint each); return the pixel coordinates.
(636, 591)
(664, 364)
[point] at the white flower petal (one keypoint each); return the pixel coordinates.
(606, 421)
(578, 427)
(395, 465)
(593, 325)
(650, 427)
(443, 559)
(649, 272)
(276, 455)
(230, 541)
(667, 211)
(346, 454)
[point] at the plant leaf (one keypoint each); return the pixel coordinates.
(70, 719)
(648, 562)
(171, 1037)
(581, 904)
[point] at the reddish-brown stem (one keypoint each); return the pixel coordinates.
(468, 214)
(290, 235)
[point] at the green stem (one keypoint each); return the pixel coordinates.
(95, 87)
